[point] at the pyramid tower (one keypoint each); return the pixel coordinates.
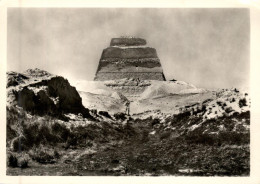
(129, 57)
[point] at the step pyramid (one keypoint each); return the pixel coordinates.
(129, 57)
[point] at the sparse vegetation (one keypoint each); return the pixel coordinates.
(120, 116)
(139, 147)
(175, 126)
(11, 160)
(23, 161)
(44, 155)
(17, 160)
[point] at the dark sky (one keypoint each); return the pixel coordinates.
(206, 47)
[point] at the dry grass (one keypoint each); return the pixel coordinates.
(130, 149)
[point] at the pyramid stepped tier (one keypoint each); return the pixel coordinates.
(129, 52)
(129, 58)
(127, 42)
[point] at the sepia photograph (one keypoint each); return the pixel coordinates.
(128, 92)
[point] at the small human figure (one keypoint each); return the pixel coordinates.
(127, 110)
(138, 81)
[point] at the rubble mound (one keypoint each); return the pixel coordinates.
(130, 87)
(129, 58)
(96, 95)
(29, 76)
(37, 72)
(14, 79)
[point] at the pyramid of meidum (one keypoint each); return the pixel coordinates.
(129, 57)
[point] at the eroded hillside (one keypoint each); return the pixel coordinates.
(174, 128)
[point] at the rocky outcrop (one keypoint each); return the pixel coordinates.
(129, 58)
(14, 79)
(42, 93)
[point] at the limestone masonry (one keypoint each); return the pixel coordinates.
(128, 57)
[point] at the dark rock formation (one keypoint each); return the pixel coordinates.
(68, 99)
(42, 93)
(129, 58)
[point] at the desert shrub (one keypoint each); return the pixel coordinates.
(12, 160)
(56, 154)
(197, 137)
(37, 134)
(223, 105)
(45, 133)
(19, 144)
(229, 124)
(204, 107)
(243, 116)
(31, 132)
(206, 101)
(13, 115)
(13, 119)
(155, 121)
(89, 144)
(242, 102)
(71, 141)
(219, 103)
(44, 155)
(89, 132)
(79, 135)
(200, 110)
(124, 132)
(60, 131)
(94, 111)
(144, 136)
(17, 160)
(165, 135)
(233, 100)
(47, 137)
(224, 137)
(234, 138)
(23, 161)
(228, 110)
(120, 116)
(104, 113)
(10, 132)
(181, 118)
